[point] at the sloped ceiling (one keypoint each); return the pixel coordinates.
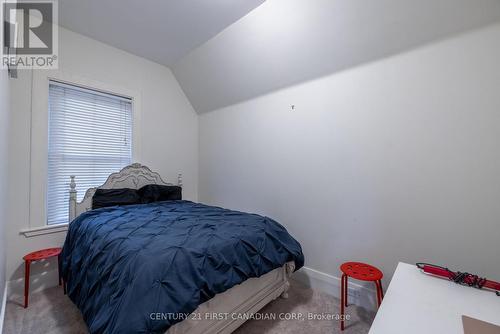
(160, 30)
(285, 42)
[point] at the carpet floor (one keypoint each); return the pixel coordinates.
(51, 312)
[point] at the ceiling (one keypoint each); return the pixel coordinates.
(163, 30)
(286, 42)
(224, 52)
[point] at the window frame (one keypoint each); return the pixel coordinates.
(40, 136)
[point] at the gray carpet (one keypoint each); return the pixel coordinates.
(52, 312)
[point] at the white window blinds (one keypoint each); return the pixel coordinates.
(90, 136)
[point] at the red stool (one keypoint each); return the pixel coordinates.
(35, 256)
(362, 272)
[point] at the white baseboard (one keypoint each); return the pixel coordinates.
(357, 294)
(2, 309)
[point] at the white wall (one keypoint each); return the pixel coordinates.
(4, 122)
(396, 160)
(169, 134)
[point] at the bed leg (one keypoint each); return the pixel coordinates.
(284, 294)
(288, 269)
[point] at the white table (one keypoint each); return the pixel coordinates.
(417, 303)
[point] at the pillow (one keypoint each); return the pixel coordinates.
(156, 193)
(111, 197)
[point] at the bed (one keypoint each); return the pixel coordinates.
(171, 266)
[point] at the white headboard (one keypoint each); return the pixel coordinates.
(134, 176)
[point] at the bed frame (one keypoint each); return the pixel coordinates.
(134, 176)
(226, 311)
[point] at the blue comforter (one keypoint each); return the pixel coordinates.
(124, 265)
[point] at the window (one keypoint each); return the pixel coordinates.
(90, 134)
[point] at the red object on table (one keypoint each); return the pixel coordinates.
(36, 256)
(461, 278)
(362, 272)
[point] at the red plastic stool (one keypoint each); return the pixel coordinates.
(362, 272)
(36, 256)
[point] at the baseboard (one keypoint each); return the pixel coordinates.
(2, 309)
(357, 294)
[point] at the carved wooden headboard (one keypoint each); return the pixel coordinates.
(134, 176)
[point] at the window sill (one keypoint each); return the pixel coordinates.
(49, 229)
